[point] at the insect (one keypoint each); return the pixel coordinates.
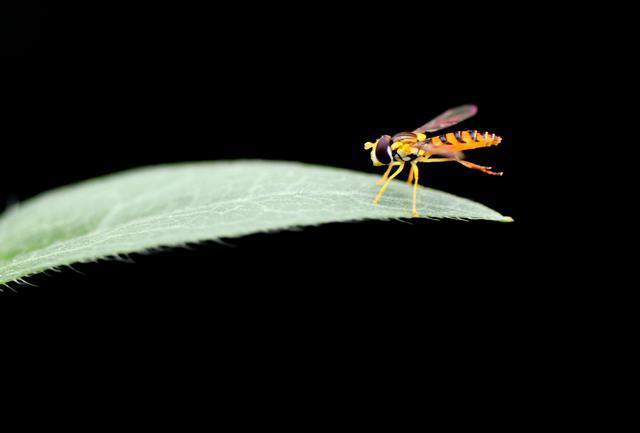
(415, 147)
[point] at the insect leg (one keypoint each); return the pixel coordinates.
(385, 175)
(415, 172)
(467, 164)
(482, 168)
(384, 187)
(410, 178)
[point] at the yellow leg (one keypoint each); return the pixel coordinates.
(416, 174)
(385, 175)
(410, 178)
(384, 187)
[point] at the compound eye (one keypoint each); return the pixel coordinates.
(383, 150)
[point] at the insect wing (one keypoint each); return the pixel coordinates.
(448, 151)
(448, 118)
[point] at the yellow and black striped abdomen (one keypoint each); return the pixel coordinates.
(465, 140)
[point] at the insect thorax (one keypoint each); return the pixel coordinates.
(403, 147)
(401, 154)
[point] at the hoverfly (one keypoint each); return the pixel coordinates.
(415, 147)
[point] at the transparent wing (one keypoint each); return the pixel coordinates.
(447, 151)
(449, 118)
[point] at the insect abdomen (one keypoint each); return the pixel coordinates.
(466, 139)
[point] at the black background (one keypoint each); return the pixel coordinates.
(440, 315)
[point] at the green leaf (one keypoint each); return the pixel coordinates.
(176, 204)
